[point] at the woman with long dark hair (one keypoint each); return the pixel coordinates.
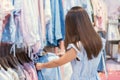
(83, 46)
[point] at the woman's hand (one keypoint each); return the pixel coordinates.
(70, 55)
(39, 66)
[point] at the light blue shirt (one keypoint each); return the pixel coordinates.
(84, 69)
(50, 73)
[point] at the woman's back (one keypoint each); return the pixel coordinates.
(79, 29)
(84, 69)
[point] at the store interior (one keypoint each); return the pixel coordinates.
(28, 26)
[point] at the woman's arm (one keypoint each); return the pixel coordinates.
(67, 57)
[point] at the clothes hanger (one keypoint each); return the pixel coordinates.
(15, 60)
(12, 57)
(3, 64)
(10, 62)
(26, 57)
(20, 60)
(6, 62)
(23, 57)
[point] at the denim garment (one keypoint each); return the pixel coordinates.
(12, 28)
(48, 20)
(84, 69)
(56, 21)
(6, 36)
(18, 33)
(49, 32)
(62, 20)
(45, 74)
(102, 65)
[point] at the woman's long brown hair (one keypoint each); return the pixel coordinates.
(79, 28)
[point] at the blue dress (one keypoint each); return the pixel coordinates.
(84, 69)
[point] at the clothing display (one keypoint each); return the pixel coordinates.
(30, 25)
(44, 21)
(38, 23)
(22, 74)
(18, 67)
(49, 27)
